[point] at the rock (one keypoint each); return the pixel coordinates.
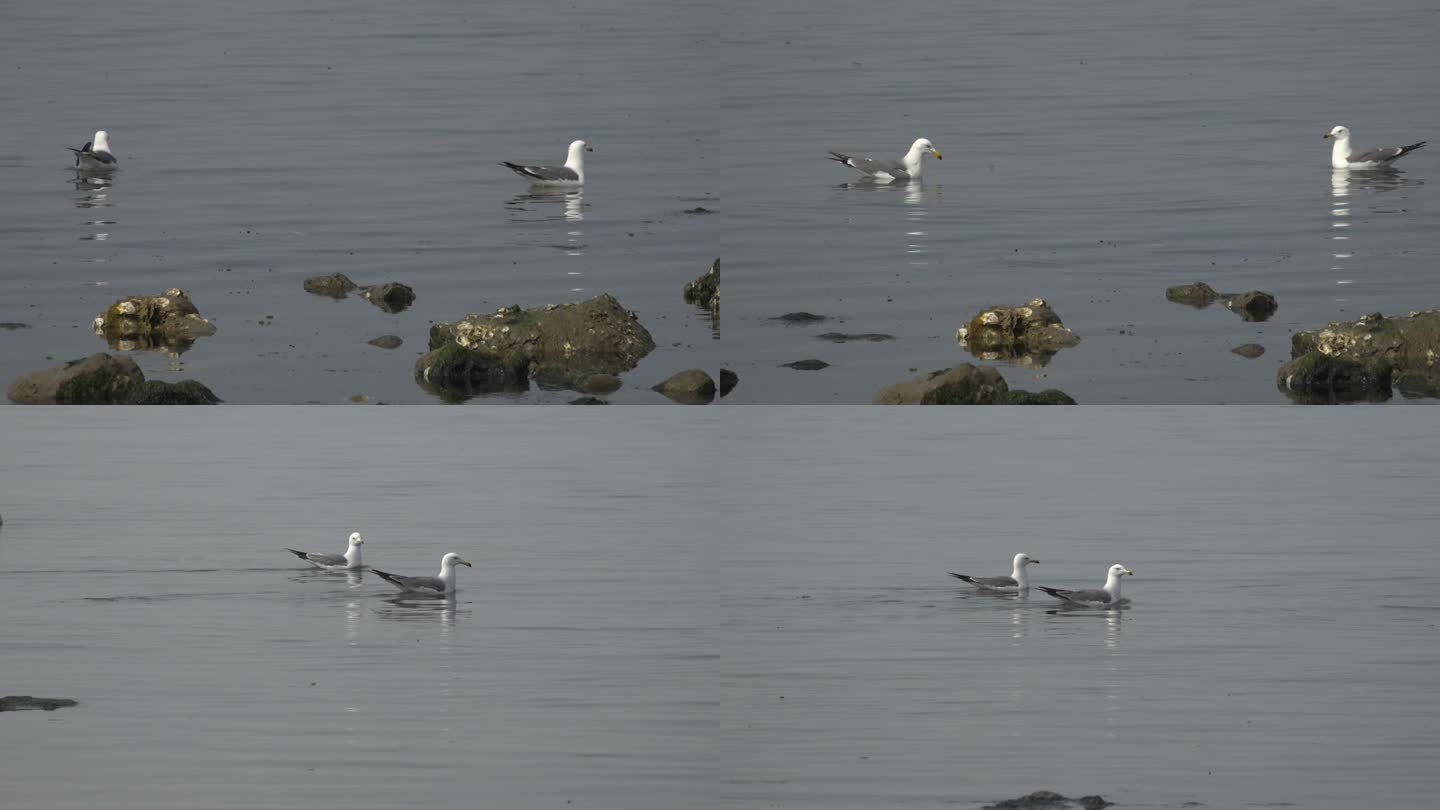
(840, 337)
(100, 379)
(1029, 334)
(691, 387)
(598, 384)
(800, 317)
(965, 384)
(335, 285)
(1196, 295)
(1319, 379)
(962, 385)
(455, 372)
(699, 209)
(16, 703)
(1050, 396)
(386, 341)
(588, 401)
(704, 292)
(728, 381)
(807, 365)
(169, 322)
(11, 327)
(185, 392)
(391, 297)
(1249, 350)
(1253, 305)
(1049, 800)
(559, 343)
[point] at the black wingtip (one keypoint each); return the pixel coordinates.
(385, 575)
(299, 554)
(961, 576)
(838, 158)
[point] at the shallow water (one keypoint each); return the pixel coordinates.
(264, 144)
(142, 572)
(1094, 155)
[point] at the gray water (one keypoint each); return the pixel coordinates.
(263, 143)
(1094, 154)
(1280, 646)
(744, 612)
(142, 572)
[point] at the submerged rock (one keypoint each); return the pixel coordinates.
(1050, 800)
(390, 297)
(1249, 350)
(807, 365)
(1253, 305)
(800, 317)
(100, 379)
(558, 343)
(1030, 334)
(704, 292)
(169, 322)
(691, 387)
(588, 401)
(335, 285)
(728, 381)
(1318, 379)
(16, 703)
(869, 337)
(11, 327)
(598, 384)
(1196, 295)
(103, 379)
(964, 384)
(386, 341)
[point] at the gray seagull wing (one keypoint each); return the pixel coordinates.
(318, 558)
(1096, 596)
(543, 172)
(988, 582)
(412, 583)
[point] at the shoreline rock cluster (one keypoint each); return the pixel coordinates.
(104, 379)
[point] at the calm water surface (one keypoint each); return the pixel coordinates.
(142, 572)
(262, 144)
(1280, 647)
(1094, 154)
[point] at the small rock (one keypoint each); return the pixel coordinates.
(699, 209)
(691, 387)
(391, 297)
(728, 381)
(1049, 800)
(16, 703)
(704, 292)
(1249, 350)
(1050, 396)
(965, 384)
(11, 327)
(1253, 305)
(386, 341)
(588, 401)
(1196, 295)
(455, 372)
(807, 365)
(1031, 333)
(871, 337)
(800, 317)
(335, 285)
(598, 384)
(168, 321)
(185, 392)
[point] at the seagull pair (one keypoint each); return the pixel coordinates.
(1019, 582)
(443, 583)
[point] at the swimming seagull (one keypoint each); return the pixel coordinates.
(571, 174)
(1108, 596)
(1342, 158)
(95, 154)
(442, 584)
(1017, 581)
(349, 560)
(906, 168)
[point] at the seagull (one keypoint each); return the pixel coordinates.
(571, 174)
(1108, 596)
(95, 154)
(349, 560)
(1342, 158)
(1017, 581)
(442, 584)
(906, 168)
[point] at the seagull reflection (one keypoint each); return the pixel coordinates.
(420, 608)
(919, 199)
(1345, 186)
(551, 205)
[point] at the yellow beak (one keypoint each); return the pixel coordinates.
(463, 562)
(936, 153)
(1328, 136)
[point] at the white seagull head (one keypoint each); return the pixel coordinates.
(1117, 570)
(1338, 133)
(923, 145)
(451, 560)
(356, 539)
(101, 142)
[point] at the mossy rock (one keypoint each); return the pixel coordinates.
(1321, 379)
(335, 285)
(185, 392)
